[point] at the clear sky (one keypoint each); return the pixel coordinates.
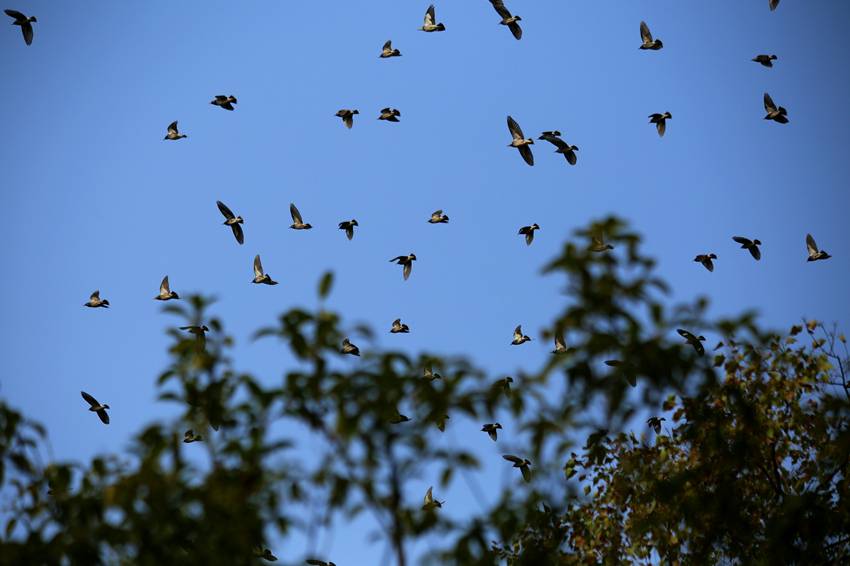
(95, 199)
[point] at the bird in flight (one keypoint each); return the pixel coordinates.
(96, 302)
(260, 277)
(429, 373)
(297, 221)
(520, 142)
(693, 340)
(389, 114)
(199, 330)
(523, 464)
(646, 37)
(567, 150)
(315, 562)
(597, 244)
(773, 4)
(96, 407)
(189, 436)
(347, 116)
(519, 337)
(750, 245)
(387, 51)
(528, 232)
(25, 23)
(265, 554)
(508, 19)
(814, 252)
(560, 344)
(706, 260)
(437, 217)
(505, 385)
(492, 430)
(173, 133)
(765, 60)
(348, 226)
(233, 221)
(776, 113)
(660, 121)
(399, 328)
(431, 17)
(349, 348)
(223, 101)
(165, 292)
(430, 502)
(407, 262)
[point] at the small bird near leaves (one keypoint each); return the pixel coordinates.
(314, 562)
(430, 502)
(441, 423)
(520, 142)
(598, 245)
(706, 260)
(95, 301)
(765, 60)
(492, 430)
(297, 221)
(96, 407)
(347, 116)
(165, 292)
(265, 554)
(560, 344)
(655, 423)
(508, 19)
(524, 465)
(25, 23)
(349, 348)
(437, 217)
(505, 385)
(776, 113)
(260, 276)
(223, 101)
(200, 332)
(693, 340)
(567, 150)
(407, 262)
(528, 232)
(232, 220)
(389, 114)
(387, 51)
(646, 38)
(519, 337)
(173, 133)
(660, 121)
(189, 436)
(627, 370)
(399, 328)
(348, 226)
(429, 24)
(750, 245)
(398, 418)
(429, 373)
(814, 252)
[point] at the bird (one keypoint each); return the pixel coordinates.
(528, 232)
(504, 384)
(315, 562)
(399, 328)
(706, 260)
(430, 502)
(628, 370)
(349, 348)
(260, 277)
(655, 423)
(387, 51)
(520, 142)
(567, 150)
(165, 292)
(199, 330)
(174, 134)
(96, 302)
(519, 337)
(429, 373)
(407, 262)
(233, 221)
(96, 407)
(773, 4)
(660, 121)
(437, 217)
(430, 18)
(348, 226)
(597, 244)
(389, 114)
(560, 344)
(776, 113)
(750, 245)
(347, 116)
(398, 418)
(765, 60)
(646, 37)
(523, 464)
(492, 429)
(25, 23)
(265, 554)
(507, 18)
(441, 423)
(297, 221)
(815, 253)
(693, 340)
(223, 101)
(189, 436)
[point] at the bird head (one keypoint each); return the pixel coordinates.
(412, 256)
(174, 295)
(773, 57)
(354, 222)
(535, 226)
(355, 112)
(757, 242)
(105, 406)
(667, 115)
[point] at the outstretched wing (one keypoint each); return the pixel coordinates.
(164, 288)
(296, 216)
(89, 399)
(516, 131)
(258, 266)
(768, 103)
(407, 268)
(237, 231)
(430, 16)
(500, 8)
(512, 458)
(526, 154)
(172, 127)
(224, 210)
(811, 245)
(645, 34)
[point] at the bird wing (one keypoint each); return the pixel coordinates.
(811, 245)
(224, 210)
(89, 399)
(512, 458)
(26, 29)
(429, 496)
(529, 237)
(661, 126)
(743, 241)
(554, 140)
(15, 14)
(349, 231)
(237, 231)
(258, 266)
(518, 332)
(430, 16)
(515, 29)
(645, 34)
(296, 216)
(104, 416)
(500, 8)
(388, 45)
(172, 127)
(407, 268)
(348, 120)
(570, 155)
(773, 4)
(526, 154)
(768, 103)
(94, 296)
(164, 287)
(516, 131)
(560, 343)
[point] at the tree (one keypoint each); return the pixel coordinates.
(750, 466)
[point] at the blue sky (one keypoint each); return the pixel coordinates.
(95, 199)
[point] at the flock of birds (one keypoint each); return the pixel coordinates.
(519, 141)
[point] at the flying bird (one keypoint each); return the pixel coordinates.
(388, 51)
(23, 21)
(523, 464)
(223, 101)
(560, 344)
(349, 348)
(399, 328)
(520, 142)
(398, 418)
(765, 60)
(519, 337)
(776, 113)
(693, 340)
(597, 244)
(189, 436)
(646, 37)
(528, 232)
(815, 253)
(430, 18)
(265, 554)
(96, 407)
(507, 18)
(567, 150)
(347, 116)
(750, 245)
(492, 430)
(430, 502)
(260, 277)
(348, 226)
(96, 302)
(165, 292)
(437, 217)
(706, 260)
(773, 4)
(505, 385)
(314, 562)
(173, 133)
(389, 114)
(199, 330)
(655, 423)
(233, 221)
(297, 221)
(660, 121)
(407, 262)
(429, 373)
